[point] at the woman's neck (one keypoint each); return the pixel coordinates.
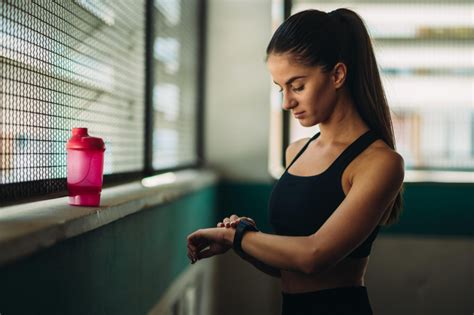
(344, 124)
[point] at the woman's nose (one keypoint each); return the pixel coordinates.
(288, 102)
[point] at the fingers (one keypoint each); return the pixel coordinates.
(194, 252)
(200, 240)
(190, 254)
(198, 252)
(193, 241)
(224, 223)
(205, 243)
(196, 242)
(191, 257)
(191, 251)
(233, 221)
(205, 254)
(227, 221)
(250, 220)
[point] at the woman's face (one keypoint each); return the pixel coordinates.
(308, 92)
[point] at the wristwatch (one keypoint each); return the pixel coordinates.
(243, 227)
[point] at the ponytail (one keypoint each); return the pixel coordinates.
(366, 86)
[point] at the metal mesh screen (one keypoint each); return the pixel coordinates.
(68, 64)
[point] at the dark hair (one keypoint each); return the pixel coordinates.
(315, 38)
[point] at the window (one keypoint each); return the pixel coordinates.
(424, 51)
(82, 63)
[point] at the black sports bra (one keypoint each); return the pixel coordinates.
(299, 205)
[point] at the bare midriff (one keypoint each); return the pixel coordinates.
(348, 272)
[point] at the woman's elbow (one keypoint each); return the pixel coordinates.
(307, 268)
(313, 263)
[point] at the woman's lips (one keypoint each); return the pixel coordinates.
(298, 115)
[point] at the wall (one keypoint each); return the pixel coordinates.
(237, 136)
(419, 266)
(423, 265)
(122, 268)
(238, 89)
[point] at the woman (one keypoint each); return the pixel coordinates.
(340, 185)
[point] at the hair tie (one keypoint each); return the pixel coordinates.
(334, 15)
(334, 19)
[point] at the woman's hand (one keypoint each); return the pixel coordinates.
(206, 243)
(218, 241)
(234, 220)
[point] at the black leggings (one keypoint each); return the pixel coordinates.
(337, 301)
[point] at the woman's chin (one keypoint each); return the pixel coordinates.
(306, 123)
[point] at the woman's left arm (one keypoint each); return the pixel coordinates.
(372, 192)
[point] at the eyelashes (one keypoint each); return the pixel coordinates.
(299, 89)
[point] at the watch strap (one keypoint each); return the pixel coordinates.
(243, 227)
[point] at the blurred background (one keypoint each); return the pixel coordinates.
(182, 85)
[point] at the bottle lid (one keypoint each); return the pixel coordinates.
(81, 140)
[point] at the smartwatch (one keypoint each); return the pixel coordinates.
(243, 227)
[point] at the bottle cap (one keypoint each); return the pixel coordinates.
(81, 140)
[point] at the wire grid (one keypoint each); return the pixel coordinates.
(68, 64)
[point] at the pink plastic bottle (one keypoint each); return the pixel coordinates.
(85, 164)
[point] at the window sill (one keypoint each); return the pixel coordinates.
(28, 228)
(415, 176)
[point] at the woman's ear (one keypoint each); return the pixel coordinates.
(339, 74)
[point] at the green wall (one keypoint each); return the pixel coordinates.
(124, 267)
(433, 209)
(430, 209)
(121, 268)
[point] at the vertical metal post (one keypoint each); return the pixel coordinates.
(287, 4)
(149, 83)
(201, 78)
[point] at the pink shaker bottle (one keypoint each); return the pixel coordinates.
(85, 164)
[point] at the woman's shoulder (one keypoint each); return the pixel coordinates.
(379, 150)
(380, 155)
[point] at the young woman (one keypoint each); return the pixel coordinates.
(340, 185)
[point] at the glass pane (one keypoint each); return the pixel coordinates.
(175, 90)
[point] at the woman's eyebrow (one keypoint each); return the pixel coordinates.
(290, 80)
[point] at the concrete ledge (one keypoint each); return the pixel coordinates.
(27, 228)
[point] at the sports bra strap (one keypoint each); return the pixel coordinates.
(354, 149)
(303, 149)
(346, 157)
